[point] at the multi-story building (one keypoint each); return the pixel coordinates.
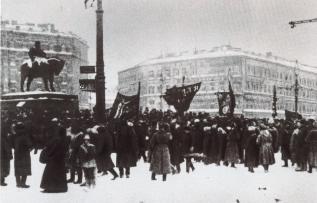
(252, 77)
(16, 40)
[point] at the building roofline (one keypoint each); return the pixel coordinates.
(224, 51)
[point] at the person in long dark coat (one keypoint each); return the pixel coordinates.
(298, 146)
(76, 139)
(222, 140)
(104, 146)
(53, 155)
(22, 146)
(311, 140)
(176, 146)
(160, 161)
(127, 147)
(285, 133)
(6, 152)
(188, 147)
(266, 153)
(232, 150)
(197, 133)
(211, 145)
(141, 132)
(275, 135)
(251, 148)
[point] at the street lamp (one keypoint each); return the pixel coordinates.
(99, 109)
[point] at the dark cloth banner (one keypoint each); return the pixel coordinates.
(125, 107)
(181, 97)
(226, 102)
(292, 116)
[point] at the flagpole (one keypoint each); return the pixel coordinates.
(100, 74)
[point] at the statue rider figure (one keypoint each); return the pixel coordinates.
(36, 51)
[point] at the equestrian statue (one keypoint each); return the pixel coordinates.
(40, 66)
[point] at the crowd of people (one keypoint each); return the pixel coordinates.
(77, 145)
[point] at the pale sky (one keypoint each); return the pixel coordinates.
(136, 30)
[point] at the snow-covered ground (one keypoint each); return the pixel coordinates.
(206, 184)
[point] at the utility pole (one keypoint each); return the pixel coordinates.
(296, 92)
(99, 109)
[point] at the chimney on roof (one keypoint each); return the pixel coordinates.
(269, 54)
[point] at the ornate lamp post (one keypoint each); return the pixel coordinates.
(100, 73)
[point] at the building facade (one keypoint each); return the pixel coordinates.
(252, 76)
(16, 40)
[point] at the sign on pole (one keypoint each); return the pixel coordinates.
(87, 69)
(88, 85)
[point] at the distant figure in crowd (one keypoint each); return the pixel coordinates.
(22, 146)
(232, 150)
(54, 178)
(6, 152)
(87, 154)
(76, 139)
(311, 140)
(160, 156)
(176, 145)
(251, 148)
(266, 153)
(103, 141)
(127, 147)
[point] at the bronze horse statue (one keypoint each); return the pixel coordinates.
(45, 70)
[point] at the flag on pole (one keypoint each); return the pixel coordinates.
(181, 97)
(125, 106)
(226, 102)
(232, 103)
(292, 116)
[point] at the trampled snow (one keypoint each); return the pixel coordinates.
(208, 183)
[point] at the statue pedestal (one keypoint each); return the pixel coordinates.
(38, 101)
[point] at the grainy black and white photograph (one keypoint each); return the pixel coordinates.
(152, 101)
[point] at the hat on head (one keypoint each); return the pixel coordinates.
(87, 137)
(54, 119)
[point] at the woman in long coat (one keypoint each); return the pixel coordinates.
(53, 155)
(160, 161)
(104, 145)
(251, 148)
(22, 146)
(127, 147)
(266, 153)
(211, 145)
(311, 140)
(232, 150)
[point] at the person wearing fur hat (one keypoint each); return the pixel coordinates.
(266, 153)
(87, 154)
(22, 146)
(232, 150)
(160, 160)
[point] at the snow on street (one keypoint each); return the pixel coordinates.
(206, 184)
